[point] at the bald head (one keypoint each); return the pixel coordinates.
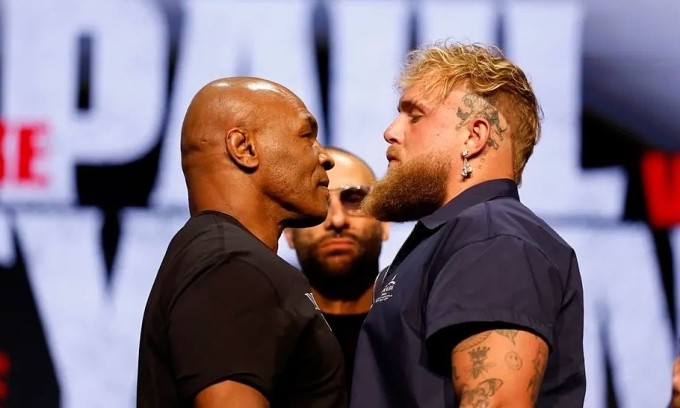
(249, 145)
(230, 103)
(357, 171)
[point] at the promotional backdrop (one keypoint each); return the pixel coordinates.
(93, 93)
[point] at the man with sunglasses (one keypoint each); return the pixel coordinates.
(340, 256)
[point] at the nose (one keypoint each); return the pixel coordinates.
(336, 218)
(325, 159)
(391, 133)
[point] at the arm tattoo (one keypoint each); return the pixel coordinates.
(471, 341)
(510, 334)
(513, 360)
(478, 357)
(480, 396)
(475, 105)
(535, 382)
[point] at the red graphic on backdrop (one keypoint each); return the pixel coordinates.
(5, 367)
(21, 148)
(661, 183)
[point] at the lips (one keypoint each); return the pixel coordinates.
(391, 155)
(337, 243)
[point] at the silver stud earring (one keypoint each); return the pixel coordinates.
(467, 169)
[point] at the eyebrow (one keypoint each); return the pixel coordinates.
(312, 123)
(409, 105)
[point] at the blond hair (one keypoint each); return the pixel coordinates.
(484, 71)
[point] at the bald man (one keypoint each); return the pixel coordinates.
(340, 256)
(228, 323)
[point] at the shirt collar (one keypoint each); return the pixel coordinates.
(479, 193)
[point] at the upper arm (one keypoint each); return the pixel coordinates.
(228, 325)
(228, 394)
(501, 367)
(493, 304)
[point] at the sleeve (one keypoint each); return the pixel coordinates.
(500, 281)
(228, 325)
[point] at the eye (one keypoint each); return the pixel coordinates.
(414, 115)
(352, 197)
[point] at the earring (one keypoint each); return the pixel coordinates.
(467, 169)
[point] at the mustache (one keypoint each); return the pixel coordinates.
(338, 234)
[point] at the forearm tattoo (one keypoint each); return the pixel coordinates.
(476, 106)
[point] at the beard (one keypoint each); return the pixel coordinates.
(342, 279)
(410, 190)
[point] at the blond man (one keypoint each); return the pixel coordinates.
(483, 304)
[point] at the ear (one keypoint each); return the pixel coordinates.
(240, 148)
(385, 230)
(289, 237)
(479, 132)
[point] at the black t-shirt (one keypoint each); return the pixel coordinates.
(225, 307)
(346, 329)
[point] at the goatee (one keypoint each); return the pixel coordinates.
(411, 190)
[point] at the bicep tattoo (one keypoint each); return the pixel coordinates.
(536, 380)
(480, 395)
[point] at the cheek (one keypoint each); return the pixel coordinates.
(367, 229)
(309, 236)
(429, 140)
(415, 146)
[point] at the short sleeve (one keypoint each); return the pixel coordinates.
(228, 325)
(501, 280)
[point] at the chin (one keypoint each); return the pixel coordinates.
(308, 219)
(338, 265)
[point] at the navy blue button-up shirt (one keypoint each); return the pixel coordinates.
(482, 258)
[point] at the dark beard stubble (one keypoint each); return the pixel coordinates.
(347, 281)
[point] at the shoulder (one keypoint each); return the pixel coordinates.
(212, 248)
(505, 220)
(212, 238)
(212, 230)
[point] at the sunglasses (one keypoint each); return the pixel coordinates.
(351, 197)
